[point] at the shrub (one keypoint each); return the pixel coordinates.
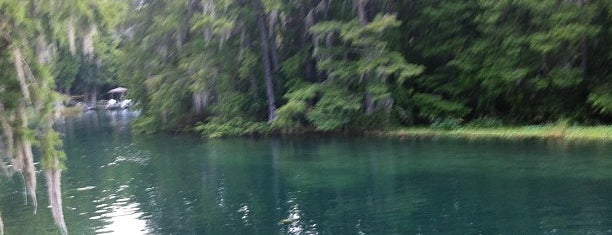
(446, 124)
(146, 124)
(216, 128)
(291, 115)
(335, 110)
(485, 122)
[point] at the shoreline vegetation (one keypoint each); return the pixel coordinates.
(558, 131)
(343, 67)
(483, 129)
(540, 132)
(555, 131)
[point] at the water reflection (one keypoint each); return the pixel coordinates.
(295, 224)
(111, 165)
(122, 217)
(245, 212)
(164, 184)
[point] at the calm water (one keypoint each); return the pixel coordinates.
(121, 184)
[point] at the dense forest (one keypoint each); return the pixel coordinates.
(238, 67)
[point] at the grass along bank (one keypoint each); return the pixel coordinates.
(578, 133)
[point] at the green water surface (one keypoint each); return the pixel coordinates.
(118, 183)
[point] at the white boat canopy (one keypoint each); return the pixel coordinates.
(118, 90)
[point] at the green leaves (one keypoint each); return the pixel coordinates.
(561, 78)
(299, 102)
(340, 64)
(272, 5)
(353, 32)
(215, 20)
(363, 62)
(237, 126)
(336, 108)
(601, 99)
(434, 106)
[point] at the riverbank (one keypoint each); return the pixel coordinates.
(574, 133)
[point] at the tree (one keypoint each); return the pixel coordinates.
(29, 31)
(281, 65)
(359, 62)
(27, 100)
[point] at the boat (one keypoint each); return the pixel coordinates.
(120, 103)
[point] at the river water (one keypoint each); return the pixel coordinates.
(117, 183)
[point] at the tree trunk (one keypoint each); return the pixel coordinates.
(272, 39)
(275, 63)
(88, 42)
(197, 102)
(361, 11)
(265, 54)
(369, 103)
(71, 36)
(370, 107)
(94, 95)
(584, 59)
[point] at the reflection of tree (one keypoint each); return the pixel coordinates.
(181, 185)
(348, 185)
(101, 171)
(21, 219)
(206, 188)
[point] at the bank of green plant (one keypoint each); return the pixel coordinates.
(234, 127)
(446, 124)
(485, 122)
(552, 131)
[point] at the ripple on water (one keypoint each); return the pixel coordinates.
(85, 188)
(294, 223)
(128, 154)
(245, 211)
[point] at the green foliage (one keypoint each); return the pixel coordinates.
(446, 124)
(147, 124)
(339, 65)
(561, 78)
(33, 61)
(543, 132)
(291, 68)
(375, 58)
(433, 106)
(248, 64)
(602, 101)
(292, 115)
(523, 59)
(378, 121)
(272, 5)
(216, 128)
(365, 64)
(289, 116)
(51, 147)
(485, 122)
(336, 108)
(66, 69)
